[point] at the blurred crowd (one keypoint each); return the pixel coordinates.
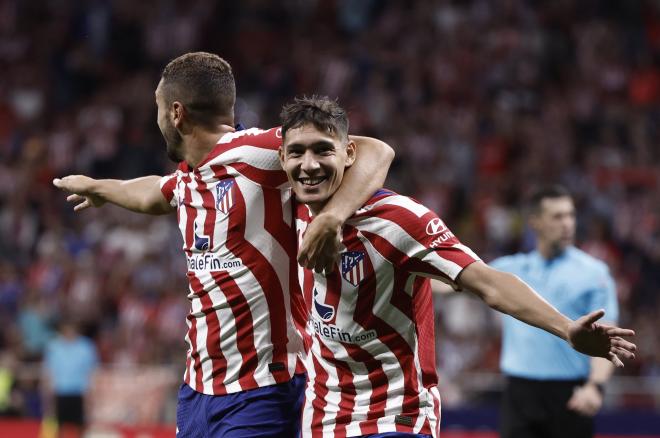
(482, 100)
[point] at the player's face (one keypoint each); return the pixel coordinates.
(315, 162)
(172, 137)
(555, 222)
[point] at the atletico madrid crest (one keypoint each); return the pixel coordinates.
(352, 266)
(224, 198)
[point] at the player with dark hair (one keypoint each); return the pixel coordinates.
(552, 390)
(203, 84)
(369, 325)
(234, 211)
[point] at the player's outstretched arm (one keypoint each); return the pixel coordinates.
(141, 195)
(320, 247)
(508, 294)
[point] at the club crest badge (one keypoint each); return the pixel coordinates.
(224, 196)
(352, 267)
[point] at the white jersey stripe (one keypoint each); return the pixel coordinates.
(423, 392)
(195, 305)
(202, 326)
(434, 410)
(254, 156)
(308, 410)
(404, 202)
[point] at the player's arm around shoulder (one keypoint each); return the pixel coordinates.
(361, 180)
(142, 195)
(320, 247)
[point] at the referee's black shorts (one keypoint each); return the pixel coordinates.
(537, 409)
(70, 409)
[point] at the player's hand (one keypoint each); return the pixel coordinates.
(320, 247)
(81, 188)
(601, 340)
(586, 400)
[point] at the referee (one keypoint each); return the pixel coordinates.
(552, 390)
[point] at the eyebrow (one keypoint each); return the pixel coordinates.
(316, 144)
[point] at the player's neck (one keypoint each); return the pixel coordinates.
(316, 207)
(200, 142)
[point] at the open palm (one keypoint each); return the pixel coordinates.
(601, 340)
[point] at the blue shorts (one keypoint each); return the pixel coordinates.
(271, 411)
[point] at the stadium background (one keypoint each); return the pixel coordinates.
(480, 99)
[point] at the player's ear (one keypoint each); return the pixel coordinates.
(280, 153)
(351, 151)
(177, 112)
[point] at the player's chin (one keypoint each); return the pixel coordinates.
(311, 196)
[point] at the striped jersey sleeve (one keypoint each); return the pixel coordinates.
(168, 188)
(416, 240)
(254, 154)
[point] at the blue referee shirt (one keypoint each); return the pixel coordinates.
(70, 364)
(575, 283)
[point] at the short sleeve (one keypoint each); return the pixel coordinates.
(168, 188)
(415, 239)
(437, 252)
(269, 139)
(254, 153)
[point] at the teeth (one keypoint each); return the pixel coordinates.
(311, 181)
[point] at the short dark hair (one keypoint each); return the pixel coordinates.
(551, 191)
(204, 83)
(324, 113)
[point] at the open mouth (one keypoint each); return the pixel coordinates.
(312, 182)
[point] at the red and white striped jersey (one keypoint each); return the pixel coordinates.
(370, 333)
(235, 214)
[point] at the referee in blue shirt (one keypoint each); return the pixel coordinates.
(552, 390)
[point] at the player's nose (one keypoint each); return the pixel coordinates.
(309, 163)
